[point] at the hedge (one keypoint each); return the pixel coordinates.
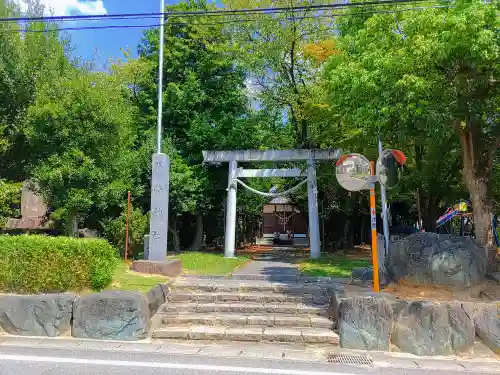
(41, 264)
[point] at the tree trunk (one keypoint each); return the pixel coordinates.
(73, 226)
(431, 215)
(478, 190)
(476, 173)
(198, 237)
(347, 225)
(175, 236)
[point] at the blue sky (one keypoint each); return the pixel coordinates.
(108, 42)
(105, 43)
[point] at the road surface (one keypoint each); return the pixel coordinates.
(93, 359)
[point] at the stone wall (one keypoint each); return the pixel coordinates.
(109, 315)
(371, 321)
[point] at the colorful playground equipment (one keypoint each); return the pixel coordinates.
(461, 211)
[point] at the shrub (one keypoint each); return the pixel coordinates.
(36, 264)
(114, 230)
(10, 200)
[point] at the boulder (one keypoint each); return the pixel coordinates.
(430, 258)
(365, 322)
(364, 276)
(37, 315)
(111, 315)
(156, 297)
(487, 324)
(431, 328)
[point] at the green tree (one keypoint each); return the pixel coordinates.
(81, 129)
(206, 107)
(27, 60)
(274, 51)
(430, 75)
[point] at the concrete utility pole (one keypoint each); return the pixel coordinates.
(158, 225)
(385, 209)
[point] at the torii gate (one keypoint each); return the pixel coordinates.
(233, 157)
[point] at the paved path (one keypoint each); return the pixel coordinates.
(86, 357)
(273, 270)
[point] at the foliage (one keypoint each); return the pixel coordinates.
(114, 230)
(200, 263)
(424, 80)
(83, 144)
(27, 60)
(10, 200)
(275, 50)
(39, 264)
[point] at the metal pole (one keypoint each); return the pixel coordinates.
(160, 80)
(420, 224)
(373, 214)
(126, 225)
(160, 176)
(385, 209)
(312, 199)
(230, 238)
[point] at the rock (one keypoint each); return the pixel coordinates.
(37, 315)
(87, 233)
(487, 324)
(364, 276)
(431, 328)
(156, 297)
(111, 315)
(171, 267)
(365, 322)
(430, 258)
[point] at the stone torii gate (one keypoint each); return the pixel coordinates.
(233, 157)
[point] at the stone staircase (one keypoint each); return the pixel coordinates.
(244, 310)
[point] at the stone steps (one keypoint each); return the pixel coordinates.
(248, 333)
(232, 320)
(246, 308)
(244, 286)
(217, 297)
(221, 309)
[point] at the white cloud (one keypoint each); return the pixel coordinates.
(70, 7)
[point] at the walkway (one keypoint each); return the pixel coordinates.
(272, 270)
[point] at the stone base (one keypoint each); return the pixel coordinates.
(171, 267)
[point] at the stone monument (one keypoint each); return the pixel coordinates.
(33, 211)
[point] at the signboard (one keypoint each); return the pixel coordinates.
(374, 218)
(389, 168)
(353, 172)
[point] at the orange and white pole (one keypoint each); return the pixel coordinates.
(373, 214)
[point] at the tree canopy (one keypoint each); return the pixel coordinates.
(423, 79)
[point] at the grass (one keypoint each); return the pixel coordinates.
(333, 266)
(193, 262)
(201, 263)
(124, 279)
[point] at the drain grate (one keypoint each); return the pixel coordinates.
(349, 359)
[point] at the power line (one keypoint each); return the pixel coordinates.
(56, 29)
(170, 14)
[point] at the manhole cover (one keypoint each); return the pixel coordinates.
(349, 359)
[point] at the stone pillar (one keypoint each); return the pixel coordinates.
(230, 239)
(312, 198)
(158, 224)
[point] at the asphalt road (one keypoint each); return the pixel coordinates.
(60, 361)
